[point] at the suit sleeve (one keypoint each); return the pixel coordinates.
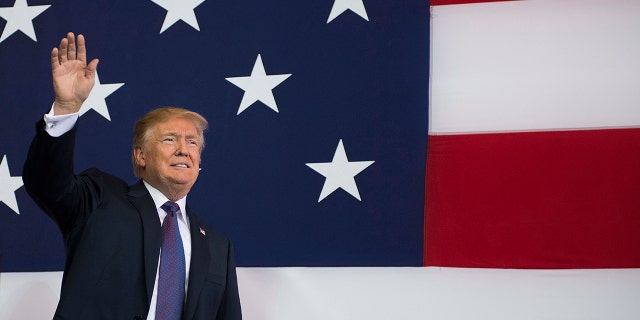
(230, 306)
(49, 179)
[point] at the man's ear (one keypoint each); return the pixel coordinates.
(138, 154)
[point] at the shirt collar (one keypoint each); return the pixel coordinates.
(159, 199)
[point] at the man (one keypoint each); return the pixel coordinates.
(133, 252)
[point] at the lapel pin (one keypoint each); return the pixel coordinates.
(203, 232)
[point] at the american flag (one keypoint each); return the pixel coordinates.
(326, 151)
(280, 83)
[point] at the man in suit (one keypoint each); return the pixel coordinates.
(133, 252)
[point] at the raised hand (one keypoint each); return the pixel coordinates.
(72, 77)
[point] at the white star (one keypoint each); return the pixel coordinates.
(258, 86)
(179, 10)
(340, 173)
(8, 186)
(340, 6)
(19, 17)
(96, 99)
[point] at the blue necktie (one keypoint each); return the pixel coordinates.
(171, 275)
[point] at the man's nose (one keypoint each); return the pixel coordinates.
(181, 147)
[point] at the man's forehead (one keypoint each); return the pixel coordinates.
(188, 133)
(176, 126)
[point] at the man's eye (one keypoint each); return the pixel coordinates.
(193, 143)
(169, 140)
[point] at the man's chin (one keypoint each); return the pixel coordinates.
(182, 181)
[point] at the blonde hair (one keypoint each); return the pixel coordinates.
(143, 126)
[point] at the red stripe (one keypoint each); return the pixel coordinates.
(534, 200)
(446, 2)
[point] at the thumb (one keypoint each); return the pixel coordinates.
(91, 69)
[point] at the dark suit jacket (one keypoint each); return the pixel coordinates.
(112, 238)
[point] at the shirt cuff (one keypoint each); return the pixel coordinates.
(56, 126)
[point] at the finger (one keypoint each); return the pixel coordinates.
(62, 54)
(71, 51)
(82, 49)
(54, 59)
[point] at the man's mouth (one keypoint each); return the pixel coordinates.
(180, 165)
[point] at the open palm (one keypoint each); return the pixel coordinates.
(73, 78)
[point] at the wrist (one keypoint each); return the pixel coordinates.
(62, 108)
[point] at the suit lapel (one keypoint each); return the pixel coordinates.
(199, 264)
(141, 199)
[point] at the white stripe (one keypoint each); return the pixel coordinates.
(390, 293)
(535, 65)
(32, 295)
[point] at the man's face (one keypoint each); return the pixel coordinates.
(171, 157)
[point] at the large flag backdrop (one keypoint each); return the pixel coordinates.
(318, 143)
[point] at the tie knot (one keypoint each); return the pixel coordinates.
(170, 207)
